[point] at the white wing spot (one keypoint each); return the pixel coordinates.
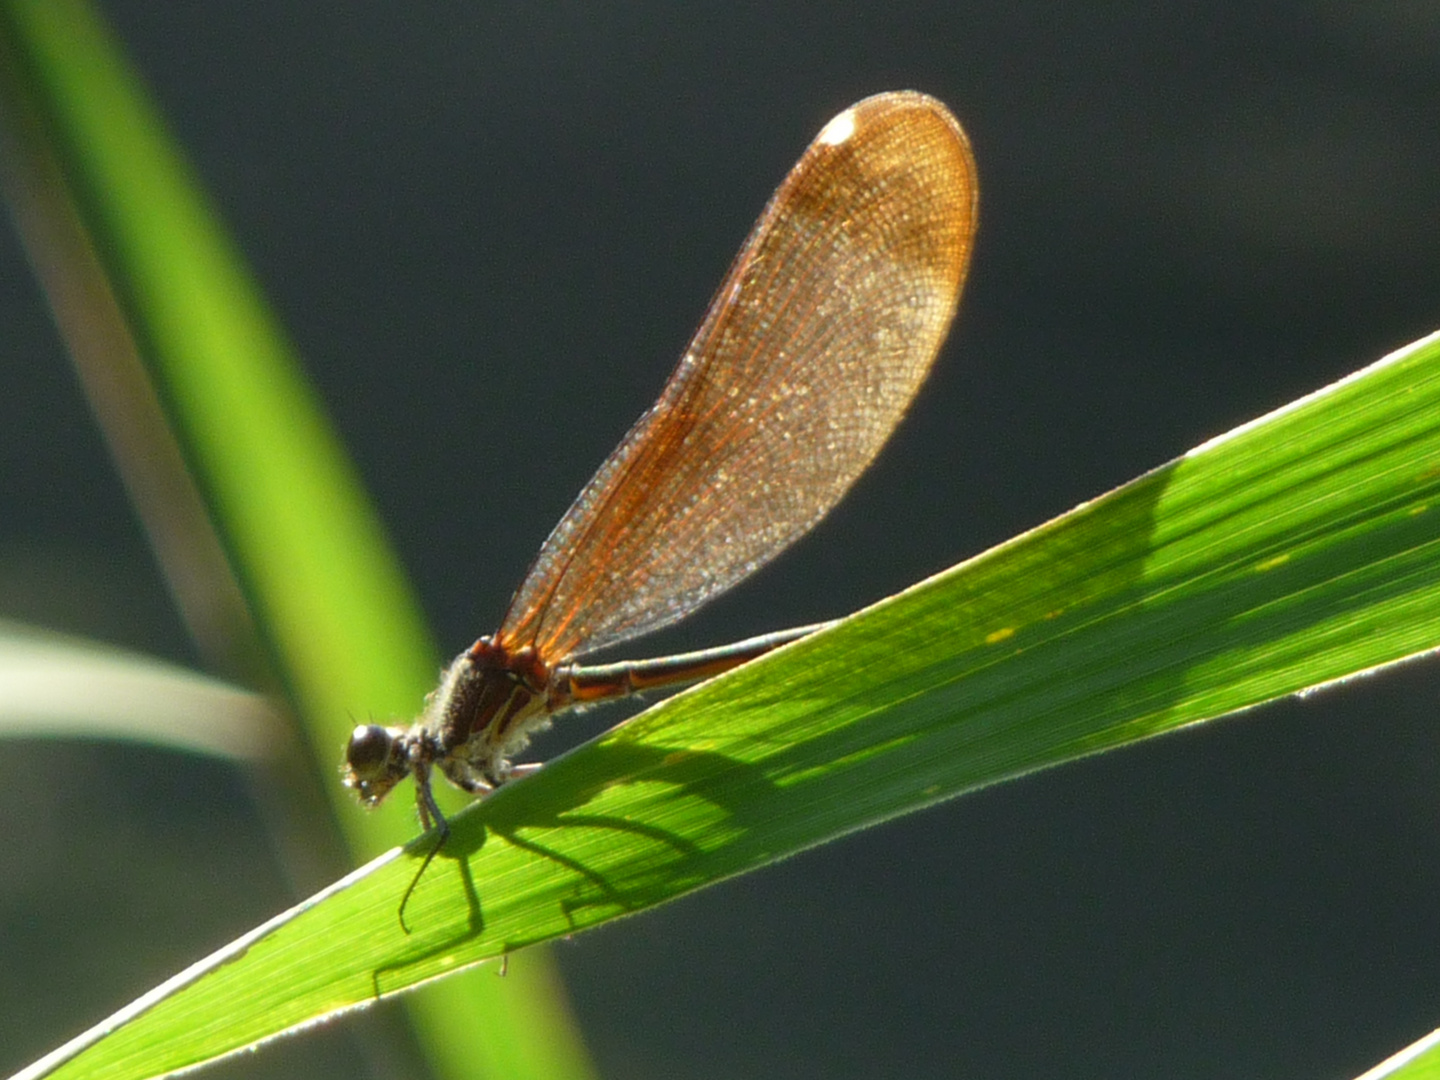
(838, 130)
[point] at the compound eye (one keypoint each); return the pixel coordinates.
(368, 751)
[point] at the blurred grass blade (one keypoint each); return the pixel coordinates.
(54, 686)
(1418, 1061)
(311, 554)
(106, 357)
(326, 592)
(1292, 552)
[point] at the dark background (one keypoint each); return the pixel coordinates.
(491, 228)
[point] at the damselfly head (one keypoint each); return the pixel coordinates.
(375, 761)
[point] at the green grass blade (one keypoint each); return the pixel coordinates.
(1295, 551)
(1418, 1061)
(287, 501)
(344, 628)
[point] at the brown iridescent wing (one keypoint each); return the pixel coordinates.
(812, 349)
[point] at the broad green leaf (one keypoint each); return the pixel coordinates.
(1292, 552)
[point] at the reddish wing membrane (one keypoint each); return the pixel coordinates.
(814, 346)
